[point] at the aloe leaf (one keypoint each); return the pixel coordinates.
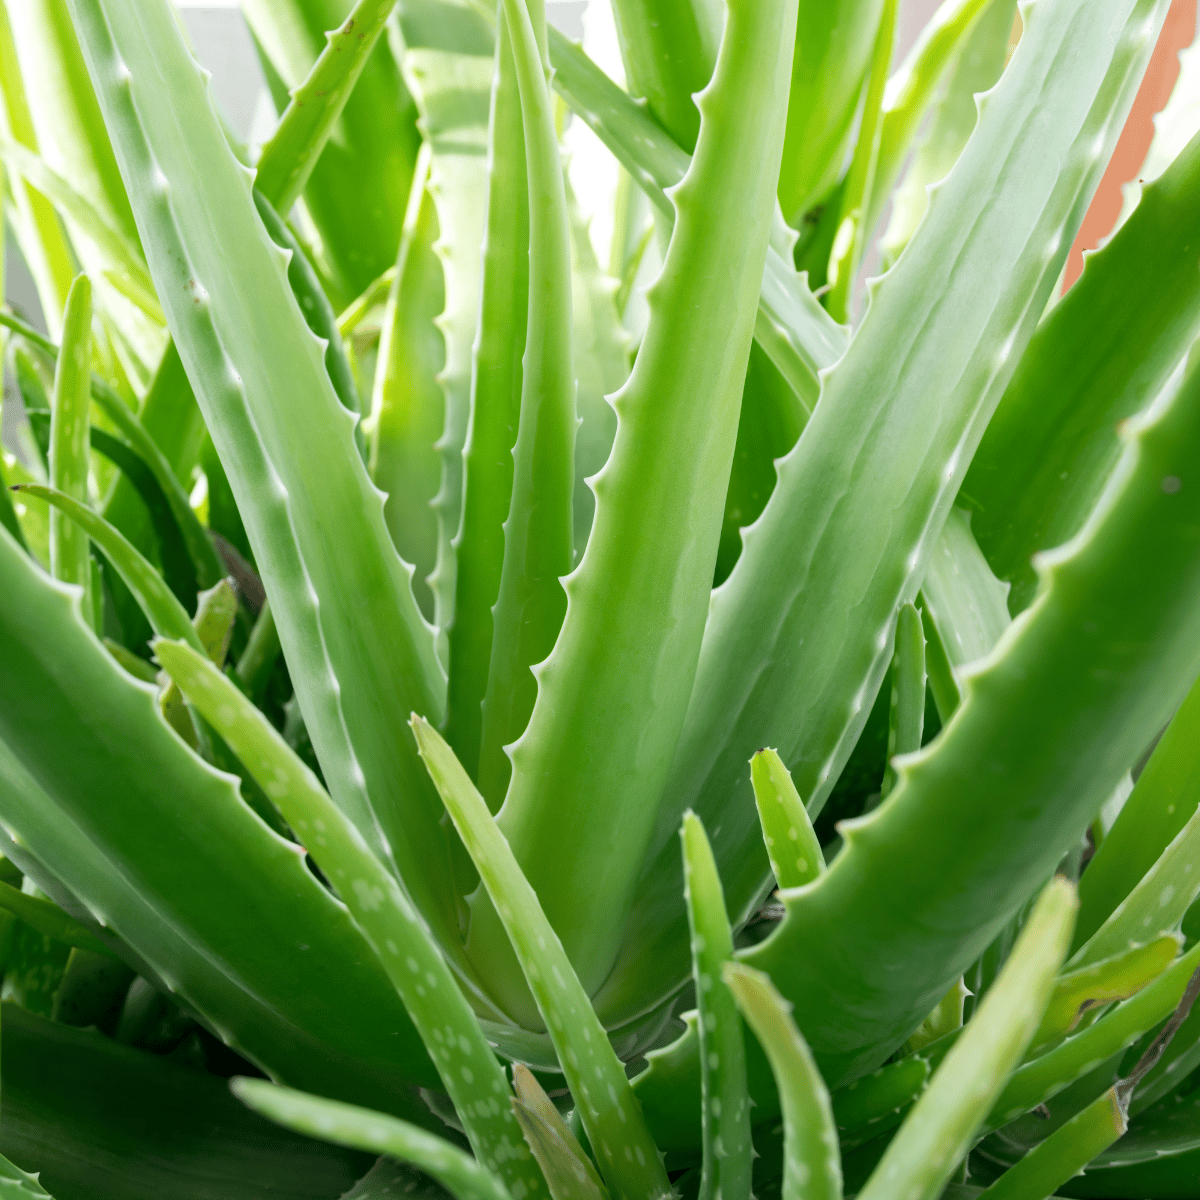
(1157, 902)
(813, 701)
(852, 234)
(94, 985)
(1108, 345)
(56, 189)
(913, 87)
(1167, 1129)
(8, 515)
(495, 402)
(688, 378)
(447, 60)
(1100, 983)
(173, 861)
(406, 402)
(1164, 800)
(69, 441)
(48, 919)
(834, 42)
(965, 610)
(1048, 1074)
(82, 1109)
(873, 1103)
(627, 1156)
(812, 1165)
(363, 174)
(570, 1174)
(975, 68)
(289, 156)
(796, 333)
(286, 442)
(468, 1068)
(166, 615)
(791, 842)
(906, 720)
(208, 566)
(34, 221)
(942, 1125)
(362, 1129)
(725, 1103)
(1064, 1153)
(15, 1183)
(376, 292)
(539, 542)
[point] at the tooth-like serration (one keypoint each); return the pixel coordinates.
(362, 653)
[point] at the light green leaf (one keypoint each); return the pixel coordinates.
(69, 440)
(465, 1062)
(1065, 1153)
(570, 1174)
(166, 615)
(941, 1127)
(627, 1157)
(811, 1164)
(791, 842)
(590, 734)
(288, 158)
(137, 284)
(539, 542)
(906, 718)
(286, 443)
(1103, 353)
(15, 1183)
(1100, 983)
(725, 1103)
(362, 1129)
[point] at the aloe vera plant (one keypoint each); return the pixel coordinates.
(476, 725)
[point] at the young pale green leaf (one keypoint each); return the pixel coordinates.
(916, 348)
(357, 647)
(377, 291)
(669, 52)
(539, 536)
(791, 842)
(975, 68)
(362, 1129)
(174, 862)
(906, 718)
(811, 1162)
(166, 615)
(1163, 801)
(914, 86)
(1100, 983)
(725, 1103)
(853, 233)
(1105, 350)
(406, 402)
(69, 441)
(1155, 905)
(468, 1068)
(291, 153)
(50, 920)
(33, 219)
(834, 42)
(1048, 1074)
(941, 1127)
(570, 1174)
(447, 61)
(1065, 1153)
(677, 425)
(627, 1156)
(136, 282)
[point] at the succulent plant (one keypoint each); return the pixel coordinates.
(402, 580)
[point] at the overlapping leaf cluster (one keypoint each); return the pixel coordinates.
(410, 540)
